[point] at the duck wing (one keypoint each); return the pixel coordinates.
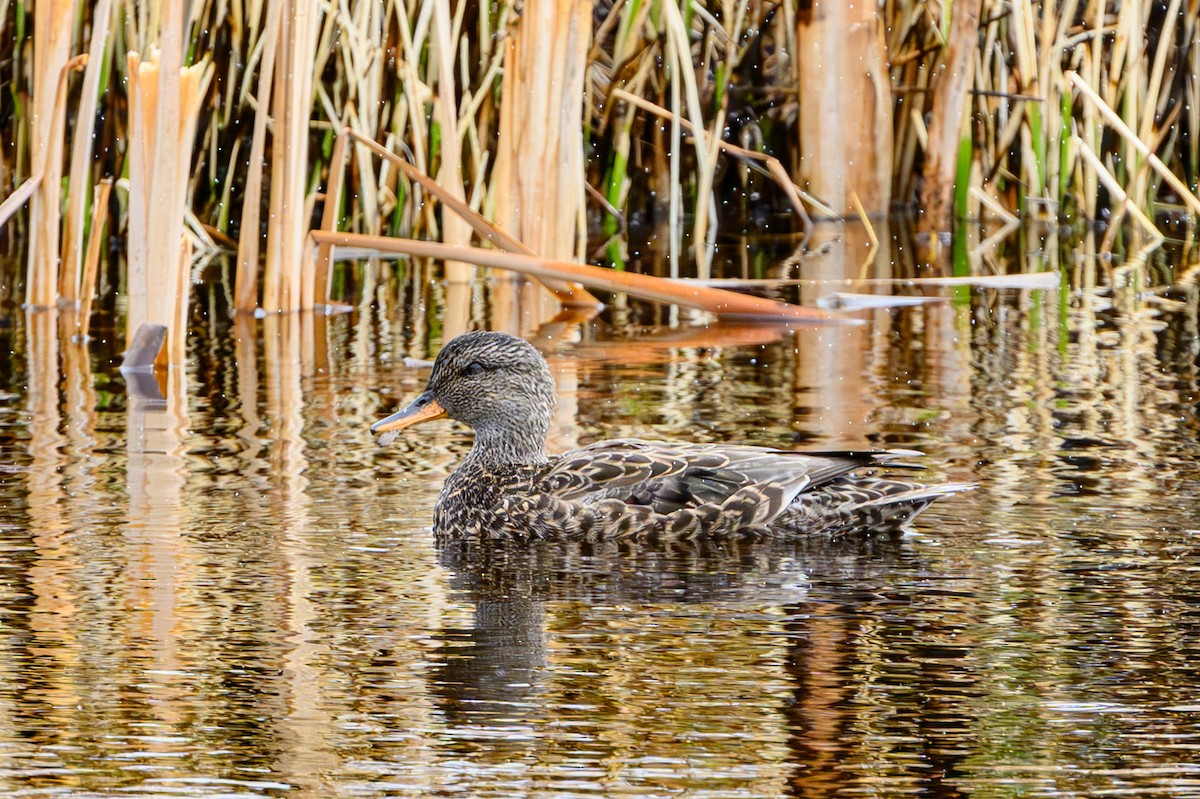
(666, 477)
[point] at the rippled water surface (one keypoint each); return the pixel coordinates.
(237, 593)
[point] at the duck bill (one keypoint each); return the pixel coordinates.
(422, 409)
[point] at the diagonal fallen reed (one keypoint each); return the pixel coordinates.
(690, 294)
(566, 279)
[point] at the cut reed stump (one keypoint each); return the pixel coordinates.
(164, 105)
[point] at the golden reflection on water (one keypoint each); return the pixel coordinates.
(235, 591)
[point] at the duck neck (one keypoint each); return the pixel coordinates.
(501, 444)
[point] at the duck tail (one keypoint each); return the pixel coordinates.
(867, 505)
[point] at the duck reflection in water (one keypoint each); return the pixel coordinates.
(630, 489)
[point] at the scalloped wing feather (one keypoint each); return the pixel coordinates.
(669, 477)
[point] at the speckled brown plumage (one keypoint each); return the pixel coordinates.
(629, 489)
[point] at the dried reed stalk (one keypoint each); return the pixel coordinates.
(946, 128)
(291, 100)
(538, 177)
(13, 202)
(143, 104)
(1119, 196)
(845, 124)
(455, 231)
(332, 201)
(51, 49)
(246, 278)
(70, 275)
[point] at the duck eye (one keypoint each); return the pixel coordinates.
(472, 369)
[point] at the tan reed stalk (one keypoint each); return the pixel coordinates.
(706, 228)
(91, 261)
(292, 96)
(1146, 132)
(363, 56)
(70, 273)
(845, 128)
(51, 50)
(246, 278)
(656, 289)
(537, 181)
(333, 194)
(1087, 123)
(416, 93)
(1055, 27)
(679, 46)
(1025, 45)
(176, 350)
(1191, 98)
(865, 220)
(167, 182)
(946, 127)
(674, 182)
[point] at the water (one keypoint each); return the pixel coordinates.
(239, 595)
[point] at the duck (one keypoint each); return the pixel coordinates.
(627, 489)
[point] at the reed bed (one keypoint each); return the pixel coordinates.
(686, 118)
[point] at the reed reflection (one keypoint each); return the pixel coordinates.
(244, 588)
(44, 707)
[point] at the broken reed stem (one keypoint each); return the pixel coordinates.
(1114, 187)
(329, 213)
(541, 125)
(177, 335)
(13, 202)
(445, 114)
(647, 287)
(91, 265)
(161, 138)
(989, 202)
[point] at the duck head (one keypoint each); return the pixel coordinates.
(496, 384)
